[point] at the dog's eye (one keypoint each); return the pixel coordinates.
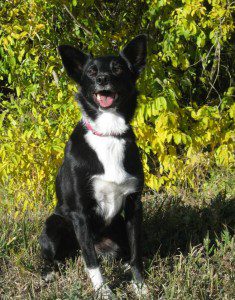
(92, 71)
(117, 69)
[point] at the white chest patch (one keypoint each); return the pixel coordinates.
(109, 122)
(112, 187)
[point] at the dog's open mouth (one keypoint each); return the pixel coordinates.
(105, 98)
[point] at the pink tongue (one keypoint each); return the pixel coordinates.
(105, 101)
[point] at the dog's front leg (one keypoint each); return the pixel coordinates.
(133, 217)
(84, 236)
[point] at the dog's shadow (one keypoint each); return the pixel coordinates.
(173, 227)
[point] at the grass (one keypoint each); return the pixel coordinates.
(189, 250)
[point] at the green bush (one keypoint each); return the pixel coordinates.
(186, 113)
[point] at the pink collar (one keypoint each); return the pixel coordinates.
(89, 127)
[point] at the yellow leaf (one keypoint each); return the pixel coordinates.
(177, 138)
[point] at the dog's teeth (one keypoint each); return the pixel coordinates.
(98, 96)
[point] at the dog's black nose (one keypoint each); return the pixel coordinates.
(102, 79)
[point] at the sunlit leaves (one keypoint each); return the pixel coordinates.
(179, 136)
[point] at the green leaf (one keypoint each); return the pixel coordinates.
(177, 138)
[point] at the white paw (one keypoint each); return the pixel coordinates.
(49, 276)
(105, 293)
(140, 289)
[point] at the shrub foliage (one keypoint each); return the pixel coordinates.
(186, 113)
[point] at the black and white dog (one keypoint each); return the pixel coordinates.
(101, 175)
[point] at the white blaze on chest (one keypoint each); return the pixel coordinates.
(109, 123)
(111, 187)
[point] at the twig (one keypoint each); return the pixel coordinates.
(55, 78)
(216, 65)
(216, 62)
(202, 59)
(229, 74)
(99, 11)
(214, 88)
(76, 21)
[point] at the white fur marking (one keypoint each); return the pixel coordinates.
(49, 276)
(112, 187)
(140, 289)
(102, 289)
(109, 122)
(96, 277)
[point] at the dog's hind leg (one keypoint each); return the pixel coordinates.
(57, 240)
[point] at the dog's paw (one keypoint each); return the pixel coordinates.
(105, 293)
(140, 289)
(49, 277)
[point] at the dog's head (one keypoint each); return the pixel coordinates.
(106, 82)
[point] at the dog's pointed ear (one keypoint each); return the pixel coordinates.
(73, 60)
(135, 53)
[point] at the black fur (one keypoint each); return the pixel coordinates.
(75, 224)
